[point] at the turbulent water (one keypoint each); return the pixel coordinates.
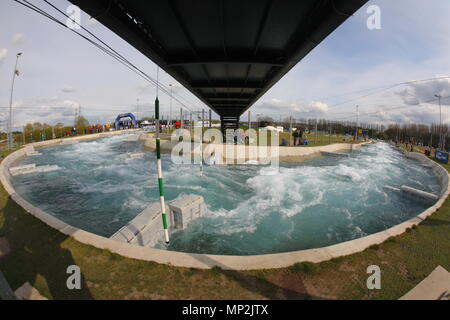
(251, 209)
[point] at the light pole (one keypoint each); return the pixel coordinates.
(170, 110)
(357, 120)
(440, 121)
(16, 73)
(137, 107)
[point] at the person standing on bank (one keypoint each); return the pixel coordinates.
(296, 137)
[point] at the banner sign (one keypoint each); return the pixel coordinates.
(441, 156)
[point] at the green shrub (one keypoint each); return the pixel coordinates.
(305, 267)
(391, 239)
(216, 269)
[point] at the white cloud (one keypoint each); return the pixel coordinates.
(43, 109)
(315, 106)
(18, 38)
(3, 54)
(421, 92)
(68, 89)
(71, 104)
(420, 114)
(285, 108)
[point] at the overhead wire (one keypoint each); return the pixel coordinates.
(106, 48)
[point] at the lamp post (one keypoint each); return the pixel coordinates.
(170, 111)
(16, 73)
(357, 122)
(440, 121)
(137, 109)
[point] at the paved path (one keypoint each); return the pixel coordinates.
(5, 290)
(27, 292)
(434, 287)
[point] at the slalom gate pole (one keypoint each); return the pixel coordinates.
(159, 169)
(201, 143)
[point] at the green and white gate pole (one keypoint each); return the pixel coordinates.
(160, 175)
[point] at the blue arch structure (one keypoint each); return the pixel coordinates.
(125, 115)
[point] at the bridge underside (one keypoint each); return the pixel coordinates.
(226, 52)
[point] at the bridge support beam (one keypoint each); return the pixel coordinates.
(228, 122)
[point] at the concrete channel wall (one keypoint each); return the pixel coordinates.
(205, 261)
(239, 154)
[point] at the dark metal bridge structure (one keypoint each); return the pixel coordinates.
(226, 52)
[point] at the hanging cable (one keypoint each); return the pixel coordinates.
(106, 48)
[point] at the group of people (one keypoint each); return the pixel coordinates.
(95, 128)
(298, 138)
(72, 132)
(126, 125)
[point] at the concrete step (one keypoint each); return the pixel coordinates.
(20, 169)
(32, 169)
(335, 154)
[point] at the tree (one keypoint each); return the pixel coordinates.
(81, 124)
(265, 121)
(59, 129)
(38, 126)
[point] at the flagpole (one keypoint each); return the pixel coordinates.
(16, 72)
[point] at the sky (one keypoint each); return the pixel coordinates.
(355, 65)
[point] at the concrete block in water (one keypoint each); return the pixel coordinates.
(335, 154)
(29, 151)
(31, 168)
(135, 155)
(412, 193)
(22, 169)
(415, 193)
(392, 189)
(146, 228)
(184, 210)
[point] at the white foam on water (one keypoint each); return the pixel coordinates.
(252, 162)
(349, 172)
(322, 199)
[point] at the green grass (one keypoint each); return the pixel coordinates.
(40, 255)
(313, 140)
(320, 139)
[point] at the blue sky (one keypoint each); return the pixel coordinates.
(60, 71)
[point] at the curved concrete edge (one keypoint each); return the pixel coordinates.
(239, 154)
(205, 261)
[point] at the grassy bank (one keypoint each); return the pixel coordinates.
(41, 255)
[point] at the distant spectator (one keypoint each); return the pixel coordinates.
(296, 137)
(283, 143)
